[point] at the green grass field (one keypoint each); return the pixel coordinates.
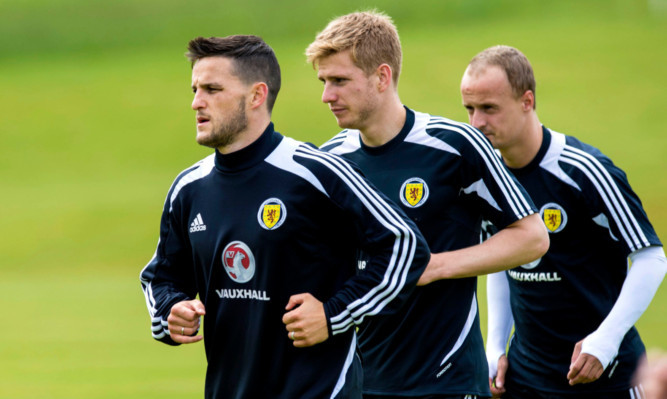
(96, 123)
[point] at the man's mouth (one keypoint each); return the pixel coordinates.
(202, 120)
(337, 110)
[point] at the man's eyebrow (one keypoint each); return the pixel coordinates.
(333, 76)
(208, 85)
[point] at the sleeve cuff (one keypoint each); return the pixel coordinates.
(327, 316)
(601, 347)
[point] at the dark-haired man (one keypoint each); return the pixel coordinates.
(266, 232)
(573, 309)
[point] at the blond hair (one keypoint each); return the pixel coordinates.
(370, 35)
(516, 66)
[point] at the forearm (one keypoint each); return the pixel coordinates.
(398, 252)
(647, 272)
(389, 277)
(499, 317)
(160, 298)
(163, 286)
(521, 242)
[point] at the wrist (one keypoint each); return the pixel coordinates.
(436, 268)
(327, 319)
(493, 354)
(602, 346)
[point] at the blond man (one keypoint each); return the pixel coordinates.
(446, 177)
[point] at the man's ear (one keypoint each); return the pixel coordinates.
(384, 74)
(528, 100)
(258, 94)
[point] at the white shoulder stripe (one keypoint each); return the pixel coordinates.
(348, 142)
(499, 172)
(550, 160)
(337, 138)
(404, 247)
(610, 194)
(202, 169)
(282, 158)
(510, 190)
(420, 137)
(482, 192)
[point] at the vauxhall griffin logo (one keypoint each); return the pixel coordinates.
(238, 261)
(414, 192)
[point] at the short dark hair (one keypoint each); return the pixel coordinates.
(254, 60)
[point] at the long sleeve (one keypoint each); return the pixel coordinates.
(500, 320)
(647, 272)
(398, 252)
(169, 278)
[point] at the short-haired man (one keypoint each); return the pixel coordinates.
(266, 232)
(446, 177)
(574, 309)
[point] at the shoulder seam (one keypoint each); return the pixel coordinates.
(520, 206)
(610, 193)
(198, 171)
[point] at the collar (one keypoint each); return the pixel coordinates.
(400, 137)
(546, 141)
(251, 155)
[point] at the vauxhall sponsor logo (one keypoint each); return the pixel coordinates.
(236, 293)
(534, 276)
(239, 263)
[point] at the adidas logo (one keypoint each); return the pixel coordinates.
(197, 224)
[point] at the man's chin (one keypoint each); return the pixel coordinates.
(345, 124)
(205, 140)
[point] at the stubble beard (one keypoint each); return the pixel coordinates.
(363, 115)
(228, 131)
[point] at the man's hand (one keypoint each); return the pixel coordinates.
(497, 384)
(653, 375)
(307, 324)
(183, 321)
(584, 368)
